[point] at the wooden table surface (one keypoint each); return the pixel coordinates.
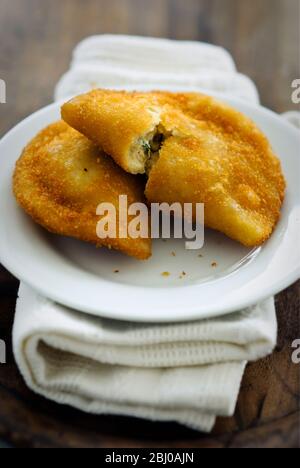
(36, 40)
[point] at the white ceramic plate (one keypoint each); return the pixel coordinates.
(79, 276)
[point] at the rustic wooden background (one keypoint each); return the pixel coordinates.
(36, 40)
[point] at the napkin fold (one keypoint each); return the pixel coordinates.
(187, 372)
(116, 61)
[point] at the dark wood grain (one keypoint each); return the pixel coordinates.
(36, 40)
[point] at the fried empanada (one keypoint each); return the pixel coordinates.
(194, 149)
(125, 125)
(62, 177)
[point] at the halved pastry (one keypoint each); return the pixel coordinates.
(126, 126)
(194, 149)
(62, 177)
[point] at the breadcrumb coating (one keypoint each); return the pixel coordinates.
(209, 153)
(61, 178)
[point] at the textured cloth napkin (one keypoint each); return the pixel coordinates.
(117, 62)
(187, 372)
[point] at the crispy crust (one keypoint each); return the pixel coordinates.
(61, 178)
(213, 154)
(226, 163)
(115, 121)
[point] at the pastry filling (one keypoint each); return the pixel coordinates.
(148, 148)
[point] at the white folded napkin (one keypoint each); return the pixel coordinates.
(134, 62)
(293, 117)
(188, 372)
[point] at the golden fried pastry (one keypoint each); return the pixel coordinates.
(195, 149)
(125, 125)
(62, 177)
